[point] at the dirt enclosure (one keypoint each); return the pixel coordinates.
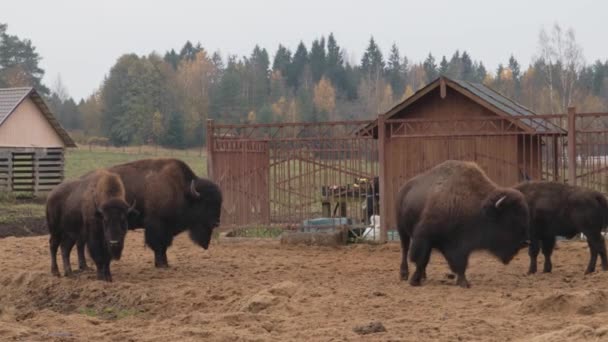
(264, 291)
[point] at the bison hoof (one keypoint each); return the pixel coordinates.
(68, 274)
(404, 276)
(450, 276)
(161, 265)
(55, 272)
(415, 282)
(547, 270)
(464, 284)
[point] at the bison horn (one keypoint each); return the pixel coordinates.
(95, 203)
(193, 191)
(132, 207)
(500, 200)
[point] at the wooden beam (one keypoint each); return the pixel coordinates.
(384, 209)
(571, 145)
(442, 89)
(209, 143)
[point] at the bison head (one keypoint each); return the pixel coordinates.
(507, 218)
(114, 216)
(205, 207)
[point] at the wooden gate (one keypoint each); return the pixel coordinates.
(293, 173)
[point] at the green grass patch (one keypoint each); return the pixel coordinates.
(15, 212)
(81, 161)
(256, 232)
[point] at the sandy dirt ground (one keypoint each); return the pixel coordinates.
(263, 291)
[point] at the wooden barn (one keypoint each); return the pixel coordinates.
(453, 119)
(32, 143)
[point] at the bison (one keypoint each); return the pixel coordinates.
(170, 199)
(92, 211)
(455, 208)
(558, 209)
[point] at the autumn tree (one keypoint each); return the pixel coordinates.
(325, 98)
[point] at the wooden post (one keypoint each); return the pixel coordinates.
(10, 172)
(555, 160)
(209, 143)
(384, 210)
(442, 89)
(35, 170)
(572, 145)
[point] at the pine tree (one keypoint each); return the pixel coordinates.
(317, 59)
(19, 63)
(430, 68)
(335, 62)
(395, 71)
(172, 58)
(282, 60)
(455, 67)
(300, 61)
(443, 66)
(468, 70)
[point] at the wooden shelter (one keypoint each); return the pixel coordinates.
(32, 143)
(453, 119)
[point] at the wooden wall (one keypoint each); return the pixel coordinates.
(31, 170)
(409, 154)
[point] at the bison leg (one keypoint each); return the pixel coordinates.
(159, 241)
(66, 249)
(602, 247)
(595, 242)
(458, 260)
(405, 246)
(103, 270)
(107, 274)
(420, 255)
(533, 251)
(547, 246)
(82, 261)
(54, 242)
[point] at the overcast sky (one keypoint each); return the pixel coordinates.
(81, 39)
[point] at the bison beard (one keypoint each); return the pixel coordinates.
(558, 209)
(456, 209)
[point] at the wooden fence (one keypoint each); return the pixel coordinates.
(289, 173)
(31, 170)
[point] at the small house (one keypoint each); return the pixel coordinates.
(32, 143)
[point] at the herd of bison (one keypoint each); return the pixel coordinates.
(453, 208)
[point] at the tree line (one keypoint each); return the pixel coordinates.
(166, 98)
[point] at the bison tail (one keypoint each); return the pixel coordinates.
(601, 199)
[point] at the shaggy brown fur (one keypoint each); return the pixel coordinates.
(89, 210)
(171, 199)
(558, 209)
(455, 208)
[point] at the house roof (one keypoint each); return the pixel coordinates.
(11, 98)
(484, 96)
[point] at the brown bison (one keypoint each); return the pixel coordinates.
(558, 209)
(456, 209)
(170, 199)
(92, 211)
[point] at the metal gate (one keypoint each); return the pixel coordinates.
(295, 173)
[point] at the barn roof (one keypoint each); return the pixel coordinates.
(484, 96)
(11, 98)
